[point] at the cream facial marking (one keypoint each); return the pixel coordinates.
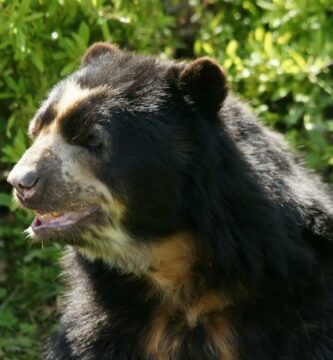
(72, 168)
(82, 191)
(72, 94)
(51, 99)
(111, 244)
(109, 241)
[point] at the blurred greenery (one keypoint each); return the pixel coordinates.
(278, 55)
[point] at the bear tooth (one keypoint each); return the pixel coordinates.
(55, 213)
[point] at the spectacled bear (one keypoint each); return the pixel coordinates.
(192, 232)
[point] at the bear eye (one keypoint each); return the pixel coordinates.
(94, 142)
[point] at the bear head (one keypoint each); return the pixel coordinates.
(111, 165)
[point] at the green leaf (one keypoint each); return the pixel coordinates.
(11, 83)
(208, 48)
(5, 199)
(231, 48)
(13, 152)
(7, 318)
(268, 44)
(38, 62)
(259, 34)
(84, 33)
(299, 60)
(3, 293)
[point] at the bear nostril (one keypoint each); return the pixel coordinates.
(28, 180)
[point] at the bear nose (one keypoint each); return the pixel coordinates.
(23, 179)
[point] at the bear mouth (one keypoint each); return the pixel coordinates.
(60, 220)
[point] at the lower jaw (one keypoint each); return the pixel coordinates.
(65, 233)
(49, 230)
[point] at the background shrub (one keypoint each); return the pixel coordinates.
(278, 55)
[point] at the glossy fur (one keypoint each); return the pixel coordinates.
(225, 247)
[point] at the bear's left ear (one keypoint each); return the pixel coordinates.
(204, 81)
(96, 50)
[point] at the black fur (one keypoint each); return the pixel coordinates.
(185, 155)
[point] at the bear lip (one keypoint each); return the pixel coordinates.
(58, 220)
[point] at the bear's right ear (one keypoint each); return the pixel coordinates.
(205, 83)
(96, 50)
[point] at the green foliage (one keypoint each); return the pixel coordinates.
(278, 55)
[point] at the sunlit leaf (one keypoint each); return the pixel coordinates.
(268, 43)
(299, 60)
(231, 48)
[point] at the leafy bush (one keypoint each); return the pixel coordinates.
(278, 55)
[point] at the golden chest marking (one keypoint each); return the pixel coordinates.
(169, 328)
(184, 304)
(171, 267)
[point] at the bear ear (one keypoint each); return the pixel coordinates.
(204, 81)
(96, 50)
